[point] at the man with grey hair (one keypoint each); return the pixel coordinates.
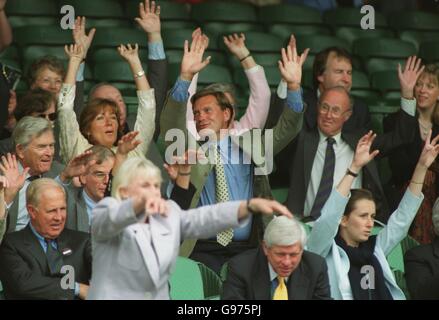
(422, 265)
(32, 260)
(280, 269)
(34, 149)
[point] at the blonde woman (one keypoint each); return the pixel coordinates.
(136, 234)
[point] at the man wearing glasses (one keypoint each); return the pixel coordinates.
(323, 155)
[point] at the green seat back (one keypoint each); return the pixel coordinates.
(383, 48)
(262, 42)
(360, 80)
(42, 35)
(226, 28)
(351, 17)
(212, 283)
(317, 43)
(287, 13)
(429, 51)
(32, 8)
(350, 34)
(285, 30)
(96, 8)
(382, 64)
(114, 71)
(174, 39)
(21, 21)
(168, 10)
(214, 73)
(186, 281)
(107, 22)
(417, 37)
(113, 37)
(414, 20)
(221, 11)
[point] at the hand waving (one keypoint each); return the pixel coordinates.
(80, 37)
(192, 61)
(236, 45)
(362, 154)
(9, 168)
(149, 19)
(430, 151)
(291, 65)
(409, 76)
(127, 143)
(77, 166)
(75, 52)
(129, 53)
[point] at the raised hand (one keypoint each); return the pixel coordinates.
(236, 45)
(192, 61)
(362, 154)
(182, 165)
(205, 39)
(156, 205)
(77, 166)
(149, 19)
(268, 207)
(129, 53)
(127, 143)
(429, 152)
(4, 183)
(9, 169)
(80, 37)
(75, 52)
(291, 65)
(2, 4)
(408, 77)
(12, 104)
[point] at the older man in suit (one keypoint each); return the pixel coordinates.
(34, 148)
(32, 260)
(280, 269)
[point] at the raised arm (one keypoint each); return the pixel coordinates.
(5, 28)
(149, 21)
(9, 169)
(325, 228)
(400, 220)
(145, 121)
(259, 101)
(4, 184)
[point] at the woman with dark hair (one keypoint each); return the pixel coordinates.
(357, 265)
(99, 121)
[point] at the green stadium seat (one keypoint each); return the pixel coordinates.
(10, 52)
(114, 23)
(192, 280)
(414, 20)
(42, 35)
(217, 58)
(168, 10)
(106, 55)
(284, 31)
(113, 37)
(114, 71)
(318, 43)
(174, 39)
(32, 8)
(224, 28)
(262, 42)
(396, 256)
(383, 48)
(280, 195)
(173, 25)
(369, 96)
(387, 83)
(222, 11)
(32, 53)
(11, 63)
(307, 79)
(291, 14)
(429, 51)
(360, 80)
(379, 64)
(416, 37)
(351, 17)
(273, 76)
(350, 34)
(96, 8)
(21, 21)
(214, 73)
(263, 59)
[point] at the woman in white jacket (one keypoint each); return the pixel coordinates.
(357, 265)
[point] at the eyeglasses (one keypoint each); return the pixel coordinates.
(101, 176)
(335, 111)
(51, 116)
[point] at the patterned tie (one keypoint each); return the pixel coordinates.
(326, 181)
(54, 258)
(281, 292)
(222, 195)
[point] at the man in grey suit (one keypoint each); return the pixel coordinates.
(35, 148)
(280, 269)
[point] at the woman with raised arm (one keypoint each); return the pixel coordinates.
(357, 265)
(99, 121)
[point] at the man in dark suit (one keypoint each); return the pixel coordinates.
(280, 269)
(422, 265)
(308, 161)
(34, 147)
(33, 260)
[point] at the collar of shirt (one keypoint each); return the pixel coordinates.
(89, 202)
(273, 274)
(41, 239)
(323, 137)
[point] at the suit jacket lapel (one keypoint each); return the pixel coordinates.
(261, 275)
(148, 253)
(34, 246)
(297, 284)
(13, 214)
(311, 143)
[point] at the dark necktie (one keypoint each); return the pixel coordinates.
(54, 258)
(32, 178)
(326, 181)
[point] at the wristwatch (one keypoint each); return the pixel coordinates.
(139, 74)
(351, 173)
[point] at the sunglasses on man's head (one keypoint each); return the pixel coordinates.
(51, 116)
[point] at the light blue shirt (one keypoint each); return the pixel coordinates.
(180, 91)
(90, 204)
(156, 51)
(54, 244)
(294, 100)
(239, 181)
